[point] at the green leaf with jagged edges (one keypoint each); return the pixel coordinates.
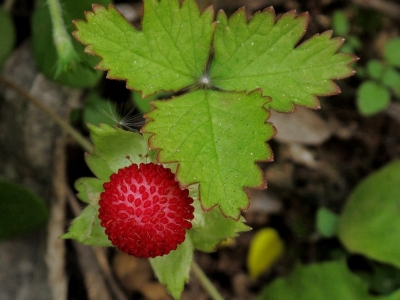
(87, 230)
(263, 54)
(211, 228)
(216, 137)
(173, 269)
(171, 50)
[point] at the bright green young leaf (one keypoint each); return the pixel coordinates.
(7, 36)
(45, 51)
(262, 54)
(172, 48)
(87, 230)
(372, 98)
(216, 137)
(328, 281)
(370, 223)
(21, 211)
(173, 269)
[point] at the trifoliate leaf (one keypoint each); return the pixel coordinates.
(173, 269)
(21, 211)
(170, 51)
(370, 223)
(87, 230)
(216, 137)
(262, 54)
(328, 281)
(265, 249)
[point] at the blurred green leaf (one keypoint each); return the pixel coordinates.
(391, 78)
(99, 110)
(375, 68)
(82, 74)
(372, 98)
(392, 52)
(327, 222)
(370, 221)
(340, 24)
(7, 39)
(327, 281)
(21, 211)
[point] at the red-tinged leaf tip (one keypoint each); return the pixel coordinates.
(144, 211)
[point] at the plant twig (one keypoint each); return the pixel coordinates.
(206, 283)
(81, 140)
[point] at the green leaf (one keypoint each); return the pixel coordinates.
(44, 50)
(211, 228)
(370, 223)
(391, 78)
(392, 52)
(117, 148)
(173, 269)
(87, 230)
(7, 36)
(327, 222)
(167, 54)
(372, 98)
(21, 211)
(340, 24)
(375, 69)
(89, 189)
(216, 137)
(99, 110)
(262, 54)
(328, 281)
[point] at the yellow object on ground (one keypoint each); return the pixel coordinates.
(265, 249)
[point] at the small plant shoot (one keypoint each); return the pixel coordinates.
(225, 75)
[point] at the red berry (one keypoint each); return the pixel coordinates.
(144, 211)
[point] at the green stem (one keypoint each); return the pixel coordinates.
(67, 55)
(206, 283)
(81, 140)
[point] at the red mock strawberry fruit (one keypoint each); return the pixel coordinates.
(144, 211)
